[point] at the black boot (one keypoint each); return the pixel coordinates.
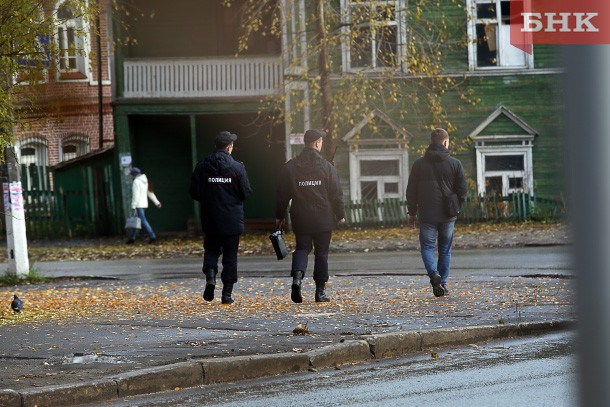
(297, 280)
(227, 289)
(210, 284)
(320, 294)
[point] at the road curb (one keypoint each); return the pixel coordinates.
(159, 378)
(236, 368)
(10, 398)
(70, 394)
(339, 354)
(393, 344)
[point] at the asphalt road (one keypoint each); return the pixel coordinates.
(538, 371)
(500, 262)
(486, 291)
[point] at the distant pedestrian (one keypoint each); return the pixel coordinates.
(425, 202)
(141, 192)
(221, 185)
(312, 183)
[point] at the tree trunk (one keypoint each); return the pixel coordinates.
(324, 68)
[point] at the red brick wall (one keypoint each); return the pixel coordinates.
(70, 108)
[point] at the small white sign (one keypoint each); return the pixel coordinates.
(16, 193)
(297, 138)
(126, 160)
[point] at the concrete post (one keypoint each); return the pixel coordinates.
(17, 244)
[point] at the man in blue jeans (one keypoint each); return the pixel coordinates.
(435, 170)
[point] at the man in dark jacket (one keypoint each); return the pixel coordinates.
(425, 201)
(221, 185)
(312, 183)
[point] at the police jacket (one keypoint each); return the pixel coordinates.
(424, 197)
(221, 184)
(313, 185)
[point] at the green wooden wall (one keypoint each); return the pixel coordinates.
(189, 28)
(162, 150)
(160, 135)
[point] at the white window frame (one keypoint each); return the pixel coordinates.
(355, 157)
(39, 144)
(82, 44)
(81, 143)
(401, 35)
(502, 40)
(42, 45)
(527, 174)
(294, 38)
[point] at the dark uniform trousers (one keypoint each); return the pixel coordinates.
(213, 247)
(321, 243)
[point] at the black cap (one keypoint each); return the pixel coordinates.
(135, 171)
(224, 138)
(313, 135)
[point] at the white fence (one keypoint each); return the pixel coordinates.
(201, 77)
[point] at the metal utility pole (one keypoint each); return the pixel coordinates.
(17, 244)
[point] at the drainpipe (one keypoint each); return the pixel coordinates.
(100, 95)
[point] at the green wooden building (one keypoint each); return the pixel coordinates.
(179, 82)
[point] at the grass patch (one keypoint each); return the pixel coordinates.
(32, 278)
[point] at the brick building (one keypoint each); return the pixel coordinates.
(64, 122)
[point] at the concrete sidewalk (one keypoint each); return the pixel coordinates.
(382, 306)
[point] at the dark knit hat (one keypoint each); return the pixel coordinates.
(135, 171)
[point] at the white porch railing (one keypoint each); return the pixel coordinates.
(201, 77)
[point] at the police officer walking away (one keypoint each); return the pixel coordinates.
(312, 183)
(221, 185)
(435, 170)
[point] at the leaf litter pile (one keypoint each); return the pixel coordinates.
(359, 304)
(374, 303)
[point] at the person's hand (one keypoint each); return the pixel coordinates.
(412, 221)
(279, 223)
(341, 221)
(159, 205)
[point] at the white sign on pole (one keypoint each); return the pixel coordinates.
(16, 197)
(296, 138)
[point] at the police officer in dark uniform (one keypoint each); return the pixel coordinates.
(312, 183)
(221, 185)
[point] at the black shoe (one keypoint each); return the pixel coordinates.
(210, 284)
(445, 288)
(227, 289)
(437, 289)
(130, 241)
(153, 240)
(320, 294)
(297, 280)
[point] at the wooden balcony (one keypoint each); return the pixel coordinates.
(201, 77)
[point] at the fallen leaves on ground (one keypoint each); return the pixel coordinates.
(346, 240)
(383, 301)
(394, 297)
